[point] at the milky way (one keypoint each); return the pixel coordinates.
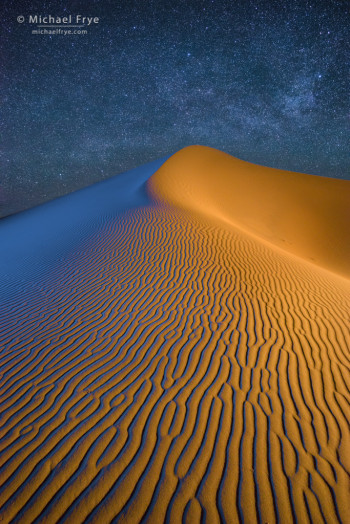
(263, 81)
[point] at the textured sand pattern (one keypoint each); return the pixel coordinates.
(173, 368)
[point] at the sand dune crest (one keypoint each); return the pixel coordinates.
(303, 214)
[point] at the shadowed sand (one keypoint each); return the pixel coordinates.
(170, 362)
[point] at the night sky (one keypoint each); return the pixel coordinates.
(266, 81)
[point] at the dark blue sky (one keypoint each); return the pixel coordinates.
(266, 81)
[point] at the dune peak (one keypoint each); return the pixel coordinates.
(306, 215)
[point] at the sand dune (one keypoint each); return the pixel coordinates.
(169, 362)
(302, 214)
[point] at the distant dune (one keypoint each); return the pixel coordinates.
(175, 348)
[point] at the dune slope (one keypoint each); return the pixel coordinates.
(169, 366)
(302, 214)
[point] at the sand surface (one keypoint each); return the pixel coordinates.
(185, 359)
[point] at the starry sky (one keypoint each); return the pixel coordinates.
(266, 81)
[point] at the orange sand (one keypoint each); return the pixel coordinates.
(177, 367)
(302, 214)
